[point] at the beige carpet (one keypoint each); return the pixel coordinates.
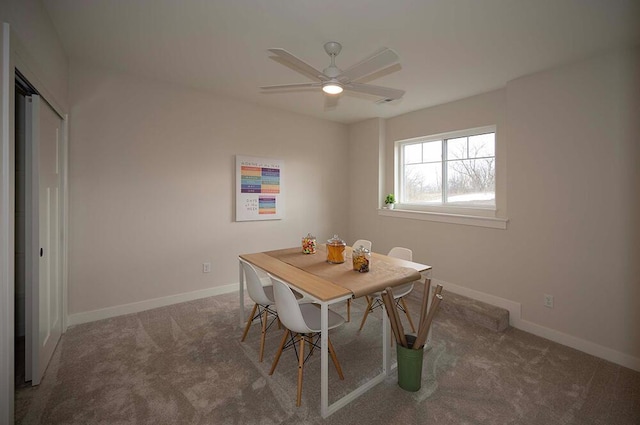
(184, 364)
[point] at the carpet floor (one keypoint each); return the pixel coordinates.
(185, 364)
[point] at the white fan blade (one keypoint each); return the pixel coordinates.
(382, 59)
(385, 92)
(291, 86)
(299, 65)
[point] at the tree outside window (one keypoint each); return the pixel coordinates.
(457, 171)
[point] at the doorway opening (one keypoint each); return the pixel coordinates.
(22, 91)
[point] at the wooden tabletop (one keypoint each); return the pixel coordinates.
(307, 282)
(323, 288)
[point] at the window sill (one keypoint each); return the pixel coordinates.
(468, 220)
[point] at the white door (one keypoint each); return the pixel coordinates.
(44, 242)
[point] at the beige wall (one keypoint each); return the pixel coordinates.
(366, 176)
(572, 200)
(39, 47)
(152, 184)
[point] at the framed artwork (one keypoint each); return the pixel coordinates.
(259, 189)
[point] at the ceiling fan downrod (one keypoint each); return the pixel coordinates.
(333, 86)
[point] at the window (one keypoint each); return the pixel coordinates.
(448, 170)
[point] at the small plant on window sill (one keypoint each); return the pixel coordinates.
(390, 201)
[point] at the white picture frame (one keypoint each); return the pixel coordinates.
(259, 188)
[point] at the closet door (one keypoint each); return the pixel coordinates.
(45, 240)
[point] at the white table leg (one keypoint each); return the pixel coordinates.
(425, 275)
(324, 360)
(241, 292)
(386, 335)
(339, 404)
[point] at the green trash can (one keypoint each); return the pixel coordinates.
(409, 366)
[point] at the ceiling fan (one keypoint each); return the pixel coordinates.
(333, 80)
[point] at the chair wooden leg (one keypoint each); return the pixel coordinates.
(300, 370)
(264, 333)
(282, 343)
(349, 310)
(311, 346)
(406, 311)
(366, 312)
(246, 328)
(332, 352)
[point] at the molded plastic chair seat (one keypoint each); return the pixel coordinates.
(362, 242)
(302, 323)
(398, 291)
(264, 300)
(375, 300)
(268, 291)
(311, 314)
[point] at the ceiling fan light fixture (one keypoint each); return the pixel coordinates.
(333, 80)
(332, 88)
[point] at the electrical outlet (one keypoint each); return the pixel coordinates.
(206, 267)
(548, 300)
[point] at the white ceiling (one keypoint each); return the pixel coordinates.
(449, 49)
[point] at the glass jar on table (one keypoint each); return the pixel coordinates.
(309, 244)
(361, 259)
(335, 250)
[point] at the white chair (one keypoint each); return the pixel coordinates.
(260, 290)
(357, 244)
(362, 242)
(375, 300)
(302, 323)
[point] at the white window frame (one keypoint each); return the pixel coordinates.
(475, 215)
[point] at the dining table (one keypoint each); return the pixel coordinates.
(328, 283)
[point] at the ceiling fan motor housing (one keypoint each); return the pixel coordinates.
(332, 48)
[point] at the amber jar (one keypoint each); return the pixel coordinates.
(335, 250)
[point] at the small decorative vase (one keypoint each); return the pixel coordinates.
(390, 206)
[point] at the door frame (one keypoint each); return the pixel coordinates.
(13, 55)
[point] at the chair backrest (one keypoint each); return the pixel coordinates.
(365, 243)
(401, 253)
(288, 308)
(254, 285)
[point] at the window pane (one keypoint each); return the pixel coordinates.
(432, 151)
(457, 148)
(482, 145)
(422, 183)
(471, 181)
(412, 154)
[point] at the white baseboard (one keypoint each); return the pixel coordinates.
(579, 344)
(514, 308)
(119, 310)
(515, 320)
